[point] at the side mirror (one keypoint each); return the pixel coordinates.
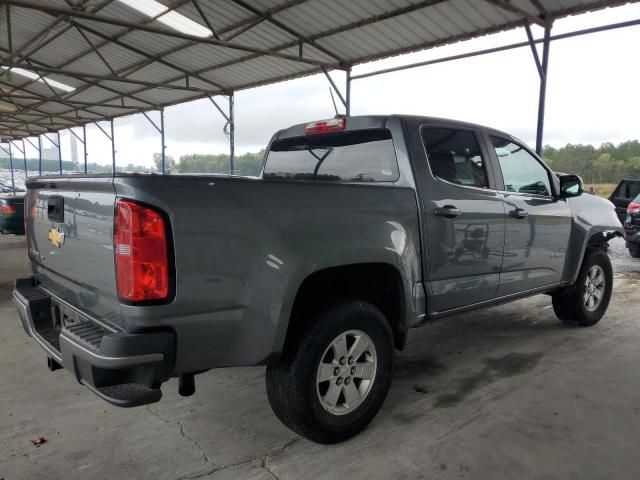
(570, 186)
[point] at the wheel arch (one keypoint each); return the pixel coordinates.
(377, 283)
(594, 239)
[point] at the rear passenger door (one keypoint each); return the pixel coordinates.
(538, 221)
(464, 217)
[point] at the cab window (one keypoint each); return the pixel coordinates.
(521, 171)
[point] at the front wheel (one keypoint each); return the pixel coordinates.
(339, 375)
(586, 302)
(634, 250)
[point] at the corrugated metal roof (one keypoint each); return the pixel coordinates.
(120, 62)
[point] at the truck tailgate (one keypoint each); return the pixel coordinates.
(70, 240)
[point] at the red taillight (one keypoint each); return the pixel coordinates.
(8, 209)
(141, 257)
(633, 208)
(323, 126)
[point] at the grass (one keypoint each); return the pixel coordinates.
(602, 189)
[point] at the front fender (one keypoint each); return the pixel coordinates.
(592, 216)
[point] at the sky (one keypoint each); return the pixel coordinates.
(593, 96)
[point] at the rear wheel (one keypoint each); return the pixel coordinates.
(339, 374)
(634, 250)
(586, 302)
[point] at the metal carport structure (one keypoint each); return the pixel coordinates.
(77, 62)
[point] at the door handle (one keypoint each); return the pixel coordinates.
(519, 213)
(448, 211)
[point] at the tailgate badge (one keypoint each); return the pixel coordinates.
(56, 237)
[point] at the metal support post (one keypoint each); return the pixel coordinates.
(24, 156)
(83, 141)
(232, 139)
(113, 144)
(160, 129)
(84, 144)
(113, 149)
(228, 129)
(348, 93)
(54, 143)
(335, 88)
(38, 147)
(163, 146)
(543, 87)
(60, 153)
(39, 155)
(13, 182)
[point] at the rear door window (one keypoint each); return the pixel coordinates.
(454, 156)
(353, 156)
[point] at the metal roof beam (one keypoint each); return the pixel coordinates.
(259, 18)
(197, 6)
(29, 49)
(335, 87)
(70, 103)
(120, 35)
(268, 17)
(53, 10)
(511, 46)
(24, 109)
(534, 51)
(540, 7)
(509, 7)
(132, 69)
(93, 47)
(150, 57)
(84, 75)
(361, 23)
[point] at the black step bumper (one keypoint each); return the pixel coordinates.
(124, 369)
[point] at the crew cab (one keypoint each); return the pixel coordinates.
(356, 230)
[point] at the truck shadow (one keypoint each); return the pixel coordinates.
(447, 361)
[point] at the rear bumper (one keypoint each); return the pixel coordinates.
(123, 369)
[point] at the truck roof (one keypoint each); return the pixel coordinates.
(379, 121)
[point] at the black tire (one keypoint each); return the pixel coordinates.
(569, 304)
(292, 390)
(634, 250)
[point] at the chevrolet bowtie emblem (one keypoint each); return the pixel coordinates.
(56, 237)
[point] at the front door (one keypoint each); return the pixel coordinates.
(464, 219)
(538, 222)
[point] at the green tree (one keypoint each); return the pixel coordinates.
(169, 162)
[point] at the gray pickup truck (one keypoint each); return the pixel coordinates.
(357, 230)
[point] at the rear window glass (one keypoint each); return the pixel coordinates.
(356, 156)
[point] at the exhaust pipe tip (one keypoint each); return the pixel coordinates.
(186, 385)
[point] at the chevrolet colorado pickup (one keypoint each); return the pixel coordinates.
(356, 230)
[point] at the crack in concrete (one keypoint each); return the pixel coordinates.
(214, 467)
(265, 466)
(263, 461)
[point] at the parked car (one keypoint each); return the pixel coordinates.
(12, 214)
(357, 230)
(632, 227)
(625, 192)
